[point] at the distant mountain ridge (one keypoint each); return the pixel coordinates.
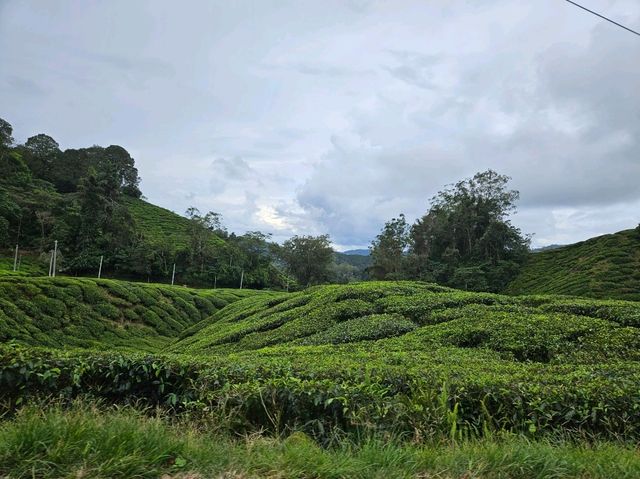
(547, 248)
(356, 252)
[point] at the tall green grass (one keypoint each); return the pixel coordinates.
(89, 442)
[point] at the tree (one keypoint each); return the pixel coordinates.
(71, 167)
(6, 130)
(464, 240)
(100, 225)
(123, 167)
(389, 248)
(201, 248)
(308, 258)
(41, 153)
(13, 170)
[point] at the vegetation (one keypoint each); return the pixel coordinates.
(604, 267)
(90, 202)
(65, 312)
(123, 443)
(465, 240)
(307, 258)
(27, 266)
(373, 358)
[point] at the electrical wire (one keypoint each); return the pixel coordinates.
(603, 17)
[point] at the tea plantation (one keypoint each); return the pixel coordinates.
(402, 356)
(161, 226)
(604, 267)
(105, 314)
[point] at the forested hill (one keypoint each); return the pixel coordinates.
(603, 267)
(89, 201)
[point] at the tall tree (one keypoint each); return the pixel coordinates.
(308, 258)
(41, 152)
(389, 248)
(6, 130)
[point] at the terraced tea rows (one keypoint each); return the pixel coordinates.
(424, 317)
(604, 267)
(65, 312)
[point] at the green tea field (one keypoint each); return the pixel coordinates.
(338, 366)
(603, 267)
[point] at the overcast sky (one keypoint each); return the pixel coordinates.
(309, 117)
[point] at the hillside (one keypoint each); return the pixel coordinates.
(161, 226)
(603, 267)
(29, 265)
(66, 312)
(420, 316)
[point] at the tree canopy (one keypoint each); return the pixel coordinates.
(465, 239)
(308, 258)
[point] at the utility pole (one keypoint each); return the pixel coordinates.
(15, 260)
(55, 256)
(100, 267)
(50, 262)
(241, 278)
(173, 275)
(215, 281)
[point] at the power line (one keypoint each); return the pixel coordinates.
(603, 17)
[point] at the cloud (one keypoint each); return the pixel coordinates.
(333, 117)
(562, 122)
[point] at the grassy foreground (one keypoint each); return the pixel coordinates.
(84, 442)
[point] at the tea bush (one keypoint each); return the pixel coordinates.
(351, 387)
(59, 312)
(543, 329)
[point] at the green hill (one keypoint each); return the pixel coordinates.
(29, 265)
(161, 226)
(69, 312)
(603, 267)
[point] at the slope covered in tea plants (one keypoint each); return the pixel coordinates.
(30, 265)
(603, 267)
(62, 312)
(418, 316)
(161, 226)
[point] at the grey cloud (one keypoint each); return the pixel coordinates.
(415, 68)
(141, 66)
(26, 86)
(232, 172)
